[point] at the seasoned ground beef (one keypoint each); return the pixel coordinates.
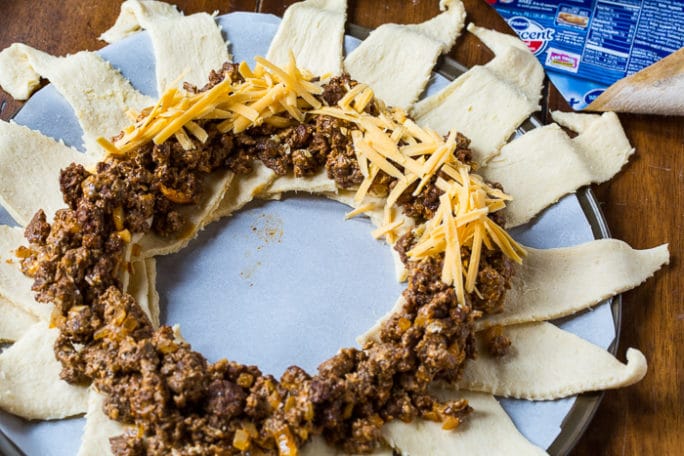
(216, 77)
(422, 206)
(38, 229)
(497, 342)
(173, 398)
(336, 88)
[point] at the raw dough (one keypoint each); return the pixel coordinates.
(186, 48)
(396, 61)
(543, 165)
(546, 363)
(14, 321)
(14, 285)
(244, 189)
(98, 428)
(552, 283)
(314, 31)
(98, 93)
(30, 386)
(30, 164)
(465, 104)
(488, 431)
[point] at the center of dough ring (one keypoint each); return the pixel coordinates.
(279, 283)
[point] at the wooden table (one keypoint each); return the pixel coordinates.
(644, 204)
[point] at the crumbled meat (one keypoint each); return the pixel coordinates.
(333, 136)
(216, 77)
(336, 88)
(176, 400)
(497, 342)
(70, 180)
(38, 229)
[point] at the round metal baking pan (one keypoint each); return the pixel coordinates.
(581, 413)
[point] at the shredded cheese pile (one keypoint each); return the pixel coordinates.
(390, 142)
(393, 143)
(266, 92)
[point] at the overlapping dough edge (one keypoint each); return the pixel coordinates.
(506, 74)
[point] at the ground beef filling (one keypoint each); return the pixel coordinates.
(172, 397)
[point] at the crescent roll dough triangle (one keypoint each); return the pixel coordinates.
(14, 285)
(317, 46)
(397, 60)
(553, 283)
(98, 93)
(14, 321)
(30, 164)
(244, 189)
(513, 62)
(546, 158)
(574, 121)
(546, 362)
(30, 386)
(465, 104)
(98, 428)
(318, 183)
(137, 15)
(185, 47)
(488, 431)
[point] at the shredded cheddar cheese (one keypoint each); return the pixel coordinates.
(389, 142)
(393, 143)
(266, 92)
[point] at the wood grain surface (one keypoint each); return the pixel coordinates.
(643, 204)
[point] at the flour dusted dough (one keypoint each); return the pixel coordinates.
(197, 216)
(552, 283)
(546, 362)
(511, 81)
(30, 386)
(30, 164)
(98, 428)
(244, 189)
(14, 321)
(185, 47)
(543, 165)
(14, 285)
(397, 60)
(488, 431)
(98, 93)
(314, 31)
